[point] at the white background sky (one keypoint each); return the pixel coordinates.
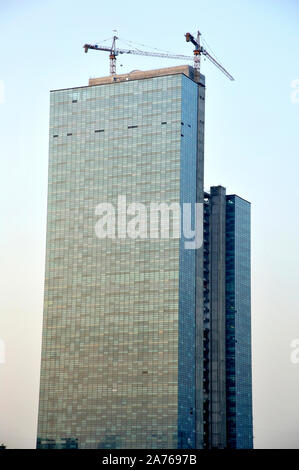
(251, 149)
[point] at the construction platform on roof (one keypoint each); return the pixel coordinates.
(139, 74)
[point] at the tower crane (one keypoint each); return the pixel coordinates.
(200, 50)
(114, 52)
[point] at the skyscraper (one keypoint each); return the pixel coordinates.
(146, 344)
(122, 347)
(227, 322)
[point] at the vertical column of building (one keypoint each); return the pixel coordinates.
(206, 323)
(199, 265)
(230, 324)
(217, 318)
(190, 305)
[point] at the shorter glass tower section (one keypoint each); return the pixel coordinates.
(227, 378)
(238, 324)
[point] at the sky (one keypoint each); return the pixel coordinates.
(251, 148)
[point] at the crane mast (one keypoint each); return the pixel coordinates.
(112, 57)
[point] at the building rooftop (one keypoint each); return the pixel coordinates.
(207, 193)
(139, 75)
(187, 70)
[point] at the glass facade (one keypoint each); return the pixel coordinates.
(118, 366)
(238, 324)
(227, 381)
(187, 273)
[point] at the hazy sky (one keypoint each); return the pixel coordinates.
(251, 148)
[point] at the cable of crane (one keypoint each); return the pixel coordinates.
(211, 50)
(103, 40)
(144, 45)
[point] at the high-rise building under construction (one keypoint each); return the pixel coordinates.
(126, 331)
